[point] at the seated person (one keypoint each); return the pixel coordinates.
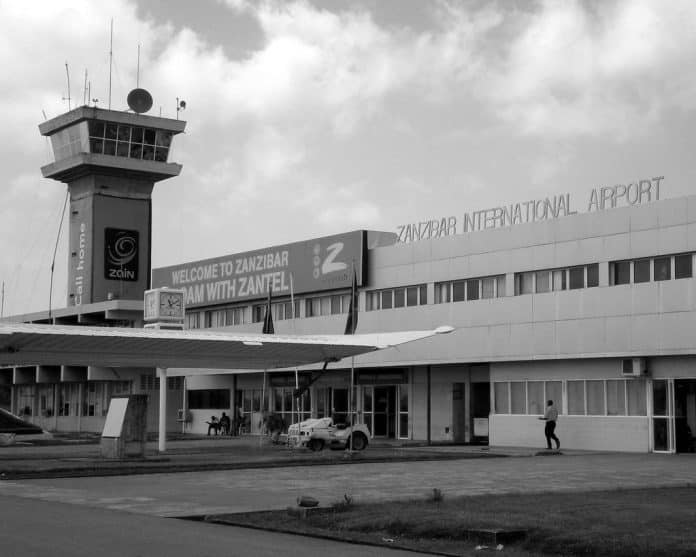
(213, 424)
(225, 424)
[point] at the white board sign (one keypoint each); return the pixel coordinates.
(115, 417)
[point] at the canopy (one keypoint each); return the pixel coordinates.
(31, 344)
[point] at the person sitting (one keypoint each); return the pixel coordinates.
(213, 424)
(225, 424)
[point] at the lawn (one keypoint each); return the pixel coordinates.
(659, 522)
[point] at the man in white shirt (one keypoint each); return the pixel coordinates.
(550, 417)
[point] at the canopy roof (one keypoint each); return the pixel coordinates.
(32, 344)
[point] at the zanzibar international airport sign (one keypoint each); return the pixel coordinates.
(310, 266)
(608, 197)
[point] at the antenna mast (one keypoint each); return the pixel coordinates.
(67, 73)
(84, 90)
(111, 58)
(137, 74)
(2, 306)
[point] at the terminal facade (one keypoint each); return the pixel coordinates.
(593, 310)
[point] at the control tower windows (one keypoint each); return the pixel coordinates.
(121, 140)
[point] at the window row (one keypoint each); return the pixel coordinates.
(397, 297)
(470, 289)
(133, 142)
(92, 400)
(602, 397)
(152, 383)
(651, 269)
(280, 311)
(553, 280)
(327, 305)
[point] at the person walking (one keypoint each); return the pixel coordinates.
(550, 417)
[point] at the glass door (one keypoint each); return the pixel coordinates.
(663, 415)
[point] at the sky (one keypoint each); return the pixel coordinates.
(308, 118)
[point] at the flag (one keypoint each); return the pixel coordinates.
(352, 321)
(268, 319)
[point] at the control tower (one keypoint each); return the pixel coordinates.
(110, 161)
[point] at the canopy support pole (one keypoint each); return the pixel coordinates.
(162, 428)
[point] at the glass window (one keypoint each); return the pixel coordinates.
(576, 277)
(335, 304)
(622, 272)
(635, 395)
(399, 294)
(524, 283)
(502, 399)
(423, 294)
(518, 397)
(576, 397)
(137, 135)
(412, 296)
(662, 268)
(458, 290)
(487, 288)
(372, 301)
(659, 397)
(535, 397)
(641, 270)
(325, 305)
(543, 281)
(442, 290)
(387, 299)
(500, 286)
(592, 275)
(554, 391)
(559, 280)
(616, 397)
(472, 289)
(111, 131)
(209, 399)
(595, 398)
(683, 266)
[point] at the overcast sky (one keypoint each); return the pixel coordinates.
(310, 118)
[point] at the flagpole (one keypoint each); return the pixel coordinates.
(297, 383)
(352, 309)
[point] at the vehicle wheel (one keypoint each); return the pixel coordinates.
(359, 442)
(315, 444)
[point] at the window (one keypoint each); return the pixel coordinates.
(488, 288)
(592, 275)
(554, 391)
(209, 399)
(576, 277)
(622, 272)
(387, 297)
(518, 397)
(616, 398)
(662, 268)
(501, 398)
(635, 397)
(193, 319)
(576, 397)
(535, 397)
(423, 294)
(123, 140)
(472, 289)
(524, 283)
(399, 297)
(234, 316)
(372, 301)
(543, 282)
(458, 291)
(683, 266)
(641, 270)
(412, 296)
(559, 280)
(595, 398)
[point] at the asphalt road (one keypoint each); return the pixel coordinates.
(36, 528)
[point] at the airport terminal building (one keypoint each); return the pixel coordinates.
(595, 310)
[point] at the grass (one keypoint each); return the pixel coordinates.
(622, 523)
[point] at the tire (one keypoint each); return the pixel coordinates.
(359, 442)
(315, 444)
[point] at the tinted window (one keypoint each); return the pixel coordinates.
(683, 266)
(641, 270)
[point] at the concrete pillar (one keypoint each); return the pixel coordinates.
(162, 428)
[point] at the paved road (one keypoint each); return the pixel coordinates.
(32, 528)
(196, 493)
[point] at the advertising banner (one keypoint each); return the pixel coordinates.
(310, 266)
(121, 254)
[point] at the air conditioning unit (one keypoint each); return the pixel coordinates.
(634, 367)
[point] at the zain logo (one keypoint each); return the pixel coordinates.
(121, 254)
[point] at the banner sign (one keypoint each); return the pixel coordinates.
(608, 197)
(310, 266)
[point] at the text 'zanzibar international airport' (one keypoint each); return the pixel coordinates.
(560, 205)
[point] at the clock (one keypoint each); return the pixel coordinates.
(164, 304)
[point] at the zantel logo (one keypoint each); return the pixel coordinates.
(121, 254)
(328, 264)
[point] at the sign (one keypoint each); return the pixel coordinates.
(608, 197)
(120, 254)
(310, 266)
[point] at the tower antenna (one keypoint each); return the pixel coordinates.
(137, 73)
(67, 73)
(84, 90)
(55, 250)
(111, 58)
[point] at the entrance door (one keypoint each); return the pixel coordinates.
(663, 415)
(684, 414)
(384, 414)
(460, 415)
